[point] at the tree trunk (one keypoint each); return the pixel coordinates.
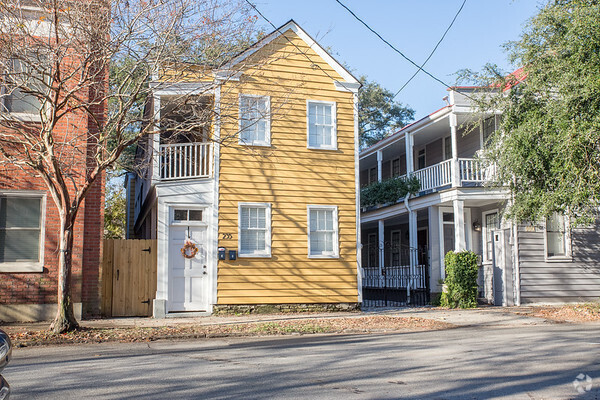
(65, 318)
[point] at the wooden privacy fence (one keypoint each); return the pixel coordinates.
(128, 277)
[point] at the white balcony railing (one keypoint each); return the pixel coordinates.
(435, 176)
(472, 170)
(185, 160)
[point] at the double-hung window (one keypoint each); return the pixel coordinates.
(21, 233)
(254, 227)
(321, 120)
(323, 232)
(255, 120)
(557, 235)
(22, 82)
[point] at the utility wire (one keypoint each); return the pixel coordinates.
(434, 49)
(297, 48)
(420, 68)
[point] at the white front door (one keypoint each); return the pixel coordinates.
(188, 276)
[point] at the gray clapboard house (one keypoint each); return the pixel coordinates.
(404, 242)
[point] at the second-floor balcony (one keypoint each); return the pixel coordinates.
(461, 172)
(185, 161)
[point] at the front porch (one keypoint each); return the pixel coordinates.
(411, 243)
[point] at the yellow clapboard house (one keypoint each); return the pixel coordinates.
(259, 207)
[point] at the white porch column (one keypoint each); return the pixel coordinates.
(154, 141)
(409, 142)
(380, 244)
(454, 140)
(412, 229)
(379, 163)
(460, 242)
(435, 244)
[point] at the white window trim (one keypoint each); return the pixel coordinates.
(568, 249)
(336, 239)
(241, 141)
(333, 105)
(267, 252)
(483, 234)
(29, 266)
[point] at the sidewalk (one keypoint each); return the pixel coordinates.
(493, 316)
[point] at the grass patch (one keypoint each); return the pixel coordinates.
(22, 337)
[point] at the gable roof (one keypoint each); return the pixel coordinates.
(291, 24)
(511, 80)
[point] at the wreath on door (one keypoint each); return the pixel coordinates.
(189, 249)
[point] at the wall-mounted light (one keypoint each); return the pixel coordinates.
(477, 226)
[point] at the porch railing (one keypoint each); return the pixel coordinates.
(435, 176)
(185, 160)
(472, 170)
(394, 275)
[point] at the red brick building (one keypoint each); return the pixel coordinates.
(30, 224)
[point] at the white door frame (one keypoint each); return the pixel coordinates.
(164, 219)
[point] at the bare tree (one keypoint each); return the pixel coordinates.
(75, 79)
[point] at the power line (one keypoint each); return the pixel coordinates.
(420, 68)
(297, 48)
(434, 49)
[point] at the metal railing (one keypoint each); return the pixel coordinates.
(185, 160)
(402, 278)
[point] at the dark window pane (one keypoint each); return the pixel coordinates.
(195, 215)
(19, 245)
(448, 217)
(180, 215)
(19, 212)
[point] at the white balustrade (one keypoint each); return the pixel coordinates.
(472, 170)
(435, 176)
(185, 160)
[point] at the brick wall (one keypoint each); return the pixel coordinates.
(41, 287)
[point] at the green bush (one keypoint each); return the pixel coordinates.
(388, 191)
(461, 280)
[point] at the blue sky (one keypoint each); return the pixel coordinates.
(414, 27)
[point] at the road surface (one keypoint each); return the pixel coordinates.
(469, 362)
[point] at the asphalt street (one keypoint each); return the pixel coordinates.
(468, 362)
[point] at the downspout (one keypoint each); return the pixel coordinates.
(406, 202)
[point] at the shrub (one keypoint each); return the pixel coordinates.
(461, 280)
(388, 191)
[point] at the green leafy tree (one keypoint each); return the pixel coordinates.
(115, 212)
(548, 146)
(378, 113)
